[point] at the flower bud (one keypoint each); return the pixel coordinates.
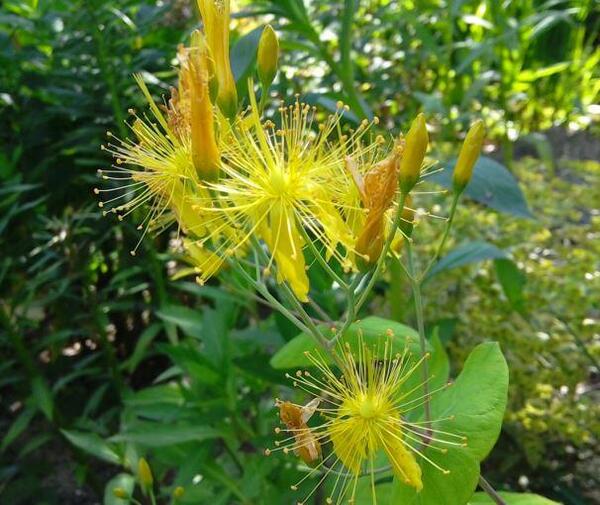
(417, 139)
(216, 16)
(205, 152)
(267, 56)
(469, 154)
(370, 242)
(119, 492)
(178, 492)
(145, 474)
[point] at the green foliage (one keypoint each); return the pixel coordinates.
(372, 330)
(106, 359)
(477, 400)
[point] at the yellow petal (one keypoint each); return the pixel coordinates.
(404, 464)
(285, 243)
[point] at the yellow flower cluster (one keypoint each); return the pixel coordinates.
(232, 180)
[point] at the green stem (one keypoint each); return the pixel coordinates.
(307, 325)
(442, 244)
(416, 289)
(322, 261)
(262, 289)
(492, 493)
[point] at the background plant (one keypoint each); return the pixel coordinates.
(90, 351)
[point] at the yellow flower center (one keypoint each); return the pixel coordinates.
(279, 182)
(369, 407)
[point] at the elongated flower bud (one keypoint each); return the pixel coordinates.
(415, 148)
(145, 474)
(216, 16)
(205, 152)
(469, 154)
(267, 56)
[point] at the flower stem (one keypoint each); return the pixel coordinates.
(440, 248)
(416, 289)
(493, 494)
(322, 261)
(351, 312)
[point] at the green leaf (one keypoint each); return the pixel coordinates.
(439, 366)
(189, 320)
(122, 480)
(512, 499)
(384, 492)
(373, 330)
(141, 346)
(163, 435)
(477, 401)
(469, 252)
(512, 281)
(534, 75)
(243, 54)
(92, 444)
(18, 426)
(453, 489)
(42, 396)
(492, 185)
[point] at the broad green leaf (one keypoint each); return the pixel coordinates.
(122, 480)
(454, 488)
(477, 401)
(364, 492)
(243, 54)
(512, 499)
(372, 330)
(512, 281)
(492, 185)
(162, 435)
(470, 252)
(93, 444)
(439, 365)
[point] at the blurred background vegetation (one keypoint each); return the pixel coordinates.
(107, 358)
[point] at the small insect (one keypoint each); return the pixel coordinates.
(295, 417)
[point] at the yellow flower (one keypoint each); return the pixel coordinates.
(155, 169)
(216, 16)
(364, 411)
(284, 185)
